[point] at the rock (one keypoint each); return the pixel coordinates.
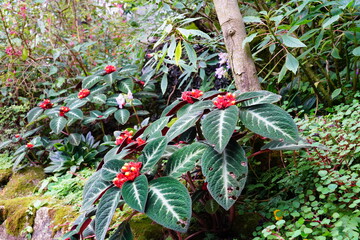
(42, 230)
(4, 235)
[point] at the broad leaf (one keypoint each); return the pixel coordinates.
(178, 53)
(58, 124)
(111, 78)
(17, 161)
(122, 116)
(195, 107)
(20, 150)
(110, 111)
(90, 81)
(184, 159)
(291, 41)
(106, 209)
(156, 126)
(93, 188)
(291, 63)
(152, 153)
(75, 139)
(4, 144)
(31, 132)
(99, 99)
(277, 145)
(110, 169)
(219, 125)
(225, 173)
(34, 113)
(258, 97)
(270, 121)
(185, 122)
(76, 103)
(112, 154)
(327, 22)
(126, 85)
(169, 204)
(75, 114)
(135, 193)
(123, 232)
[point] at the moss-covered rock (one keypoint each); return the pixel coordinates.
(5, 175)
(144, 228)
(62, 217)
(23, 183)
(14, 213)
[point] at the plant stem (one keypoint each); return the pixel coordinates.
(136, 115)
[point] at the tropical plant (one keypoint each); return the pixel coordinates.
(201, 129)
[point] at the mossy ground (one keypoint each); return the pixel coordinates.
(5, 175)
(23, 183)
(63, 217)
(144, 228)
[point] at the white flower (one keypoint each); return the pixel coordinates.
(220, 72)
(120, 100)
(130, 96)
(223, 58)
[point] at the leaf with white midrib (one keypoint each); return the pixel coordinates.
(156, 126)
(106, 209)
(184, 159)
(58, 124)
(219, 125)
(90, 81)
(135, 193)
(75, 139)
(34, 113)
(269, 98)
(76, 104)
(169, 204)
(122, 116)
(75, 114)
(225, 173)
(111, 168)
(101, 98)
(270, 121)
(182, 124)
(92, 190)
(152, 153)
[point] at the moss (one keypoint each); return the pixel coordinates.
(5, 175)
(23, 183)
(63, 216)
(14, 211)
(144, 228)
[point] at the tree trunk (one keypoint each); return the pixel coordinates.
(240, 60)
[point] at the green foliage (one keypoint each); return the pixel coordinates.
(314, 195)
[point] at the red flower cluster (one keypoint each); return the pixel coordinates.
(29, 145)
(84, 93)
(46, 104)
(127, 135)
(129, 172)
(110, 69)
(124, 135)
(189, 95)
(63, 110)
(225, 101)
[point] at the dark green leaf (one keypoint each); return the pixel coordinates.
(184, 159)
(123, 232)
(219, 125)
(152, 153)
(111, 168)
(122, 116)
(169, 204)
(75, 114)
(182, 124)
(106, 209)
(135, 193)
(58, 124)
(225, 173)
(270, 121)
(34, 113)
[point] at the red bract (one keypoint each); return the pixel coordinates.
(17, 135)
(124, 135)
(63, 110)
(129, 172)
(110, 69)
(225, 101)
(46, 104)
(84, 93)
(189, 95)
(29, 145)
(140, 141)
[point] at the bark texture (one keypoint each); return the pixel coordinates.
(240, 60)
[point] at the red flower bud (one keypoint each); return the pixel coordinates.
(110, 69)
(129, 172)
(225, 101)
(189, 95)
(29, 145)
(83, 93)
